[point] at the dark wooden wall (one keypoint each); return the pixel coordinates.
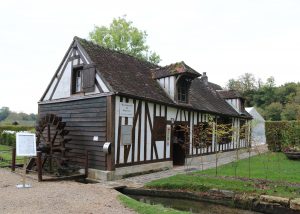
(84, 119)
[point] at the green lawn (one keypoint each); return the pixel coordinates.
(6, 154)
(272, 166)
(143, 208)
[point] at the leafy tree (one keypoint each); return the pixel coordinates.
(4, 112)
(270, 82)
(297, 96)
(248, 81)
(274, 102)
(233, 84)
(273, 111)
(24, 116)
(244, 83)
(122, 36)
(291, 112)
(33, 116)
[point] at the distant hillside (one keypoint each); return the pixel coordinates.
(8, 117)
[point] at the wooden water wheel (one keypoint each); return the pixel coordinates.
(50, 132)
(50, 138)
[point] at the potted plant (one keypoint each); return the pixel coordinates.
(291, 142)
(292, 152)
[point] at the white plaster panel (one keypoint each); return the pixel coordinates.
(171, 113)
(130, 122)
(63, 89)
(121, 144)
(142, 131)
(195, 118)
(157, 110)
(136, 133)
(163, 111)
(160, 149)
(172, 87)
(167, 89)
(101, 83)
(47, 96)
(149, 136)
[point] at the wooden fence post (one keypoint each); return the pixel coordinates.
(86, 167)
(13, 160)
(39, 166)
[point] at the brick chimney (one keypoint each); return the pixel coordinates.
(204, 78)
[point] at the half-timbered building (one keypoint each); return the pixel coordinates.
(152, 117)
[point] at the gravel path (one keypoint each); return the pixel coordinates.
(56, 197)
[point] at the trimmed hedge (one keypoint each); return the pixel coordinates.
(9, 139)
(16, 128)
(282, 133)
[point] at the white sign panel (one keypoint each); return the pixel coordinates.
(25, 144)
(126, 109)
(126, 134)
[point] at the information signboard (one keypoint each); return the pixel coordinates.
(25, 144)
(126, 137)
(126, 109)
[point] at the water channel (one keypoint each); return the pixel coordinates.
(190, 205)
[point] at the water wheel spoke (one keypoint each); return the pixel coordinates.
(54, 138)
(42, 136)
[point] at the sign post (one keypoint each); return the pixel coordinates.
(26, 147)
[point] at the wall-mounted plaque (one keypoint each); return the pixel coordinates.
(25, 144)
(126, 109)
(126, 131)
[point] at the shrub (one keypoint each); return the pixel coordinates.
(8, 139)
(8, 133)
(282, 134)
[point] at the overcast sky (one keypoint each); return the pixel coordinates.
(223, 38)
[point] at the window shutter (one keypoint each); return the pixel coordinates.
(88, 79)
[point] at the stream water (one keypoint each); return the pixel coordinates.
(190, 206)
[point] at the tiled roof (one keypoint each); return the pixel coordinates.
(205, 98)
(128, 75)
(125, 73)
(229, 94)
(214, 86)
(174, 69)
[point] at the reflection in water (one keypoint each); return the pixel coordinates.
(190, 205)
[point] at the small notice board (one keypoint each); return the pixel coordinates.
(126, 109)
(25, 144)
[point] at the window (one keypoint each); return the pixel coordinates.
(83, 79)
(77, 80)
(182, 91)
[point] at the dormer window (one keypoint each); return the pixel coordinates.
(183, 86)
(175, 79)
(182, 92)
